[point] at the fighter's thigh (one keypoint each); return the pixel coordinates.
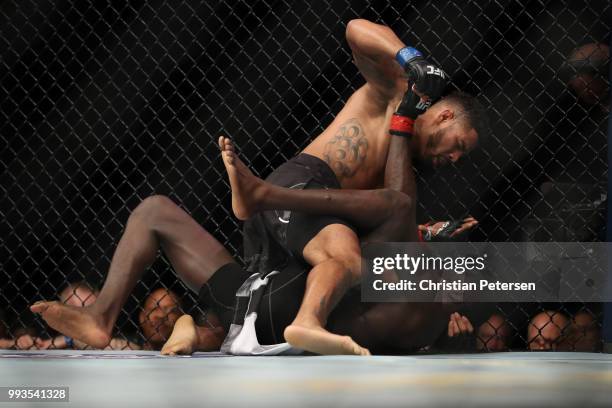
(334, 241)
(194, 253)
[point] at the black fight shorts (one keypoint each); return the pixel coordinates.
(292, 229)
(279, 305)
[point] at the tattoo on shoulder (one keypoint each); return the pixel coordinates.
(347, 150)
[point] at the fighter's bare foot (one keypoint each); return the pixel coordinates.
(75, 322)
(183, 339)
(320, 341)
(247, 189)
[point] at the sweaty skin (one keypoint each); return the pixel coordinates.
(356, 143)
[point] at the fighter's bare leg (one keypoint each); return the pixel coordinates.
(156, 223)
(335, 255)
(381, 212)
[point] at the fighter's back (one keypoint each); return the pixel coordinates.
(355, 144)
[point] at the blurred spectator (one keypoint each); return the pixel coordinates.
(546, 330)
(494, 334)
(78, 294)
(583, 333)
(6, 343)
(160, 311)
(586, 73)
(459, 336)
(25, 338)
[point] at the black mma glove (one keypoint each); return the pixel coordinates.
(428, 79)
(409, 108)
(443, 233)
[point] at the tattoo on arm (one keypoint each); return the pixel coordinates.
(347, 150)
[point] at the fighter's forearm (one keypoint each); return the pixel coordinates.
(372, 40)
(399, 174)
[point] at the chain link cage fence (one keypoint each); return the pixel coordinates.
(105, 103)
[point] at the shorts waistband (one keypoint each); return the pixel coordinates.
(319, 169)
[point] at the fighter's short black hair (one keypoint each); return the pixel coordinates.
(470, 110)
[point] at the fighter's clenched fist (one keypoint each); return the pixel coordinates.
(425, 85)
(428, 80)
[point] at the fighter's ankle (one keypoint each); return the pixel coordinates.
(307, 323)
(102, 318)
(262, 191)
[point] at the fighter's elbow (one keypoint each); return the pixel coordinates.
(355, 29)
(366, 36)
(351, 27)
(354, 24)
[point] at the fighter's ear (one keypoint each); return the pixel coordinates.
(446, 114)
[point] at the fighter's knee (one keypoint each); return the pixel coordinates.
(152, 208)
(401, 204)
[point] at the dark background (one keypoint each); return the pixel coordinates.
(105, 103)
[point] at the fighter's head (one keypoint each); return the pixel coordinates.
(161, 310)
(450, 128)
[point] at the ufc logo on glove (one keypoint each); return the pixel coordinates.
(424, 105)
(436, 71)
